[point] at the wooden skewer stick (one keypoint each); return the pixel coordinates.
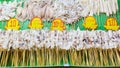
(91, 58)
(16, 62)
(97, 61)
(57, 56)
(43, 56)
(12, 57)
(1, 50)
(23, 57)
(117, 57)
(83, 53)
(86, 54)
(3, 58)
(111, 57)
(38, 57)
(50, 57)
(101, 57)
(80, 58)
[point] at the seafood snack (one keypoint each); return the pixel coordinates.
(46, 33)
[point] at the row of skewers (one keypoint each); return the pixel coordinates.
(59, 57)
(69, 11)
(67, 40)
(48, 48)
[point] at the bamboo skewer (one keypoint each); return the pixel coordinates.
(43, 56)
(79, 58)
(23, 57)
(75, 56)
(16, 55)
(72, 56)
(3, 58)
(84, 58)
(57, 56)
(34, 57)
(0, 55)
(31, 58)
(110, 57)
(66, 57)
(47, 56)
(96, 57)
(89, 57)
(86, 54)
(0, 52)
(27, 58)
(117, 56)
(54, 57)
(12, 57)
(106, 58)
(101, 57)
(50, 56)
(38, 56)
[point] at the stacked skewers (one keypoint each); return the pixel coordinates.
(38, 46)
(46, 47)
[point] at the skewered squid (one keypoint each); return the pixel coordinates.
(35, 8)
(69, 11)
(7, 10)
(28, 39)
